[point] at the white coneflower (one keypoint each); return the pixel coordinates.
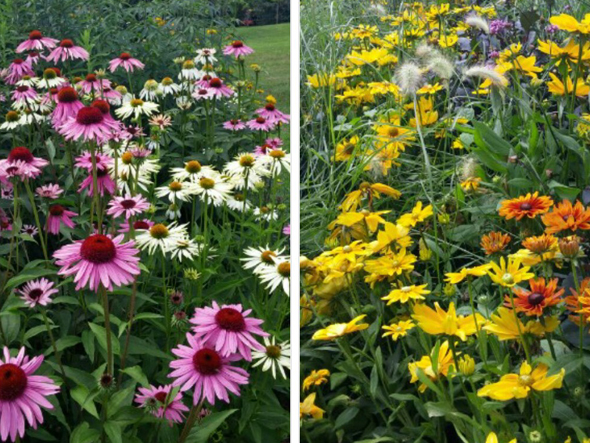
(244, 167)
(409, 78)
(213, 189)
(486, 73)
(136, 107)
(169, 87)
(265, 213)
(277, 275)
(261, 258)
(475, 21)
(441, 66)
(275, 356)
(151, 90)
(237, 202)
(275, 161)
(162, 237)
(192, 171)
(186, 248)
(175, 191)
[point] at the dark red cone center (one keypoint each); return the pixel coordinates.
(536, 298)
(125, 56)
(13, 382)
(237, 44)
(67, 95)
(67, 43)
(230, 319)
(128, 204)
(103, 105)
(20, 153)
(207, 361)
(56, 210)
(215, 83)
(98, 249)
(140, 224)
(35, 35)
(161, 397)
(89, 115)
(35, 293)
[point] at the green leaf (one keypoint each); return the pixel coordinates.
(24, 277)
(114, 431)
(564, 192)
(346, 417)
(202, 432)
(136, 373)
(85, 399)
(487, 138)
(101, 336)
(83, 434)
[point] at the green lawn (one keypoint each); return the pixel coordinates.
(271, 46)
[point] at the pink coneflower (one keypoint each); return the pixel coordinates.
(287, 229)
(37, 292)
(33, 58)
(203, 94)
(228, 329)
(219, 88)
(22, 394)
(112, 95)
(103, 180)
(17, 70)
(6, 190)
(131, 132)
(36, 42)
(127, 205)
(160, 405)
(262, 149)
(67, 51)
(275, 142)
(103, 161)
(126, 62)
(105, 108)
(161, 121)
(67, 106)
(261, 124)
(206, 370)
(16, 169)
(51, 191)
(270, 112)
(237, 48)
(138, 225)
(204, 81)
(97, 260)
(93, 84)
(234, 125)
(89, 124)
(23, 94)
(58, 215)
(22, 158)
(30, 230)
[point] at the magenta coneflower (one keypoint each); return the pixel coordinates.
(219, 89)
(103, 180)
(105, 108)
(237, 48)
(287, 229)
(228, 330)
(204, 82)
(31, 166)
(234, 125)
(37, 42)
(275, 142)
(206, 370)
(23, 94)
(30, 230)
(262, 150)
(159, 401)
(112, 95)
(203, 94)
(17, 70)
(103, 161)
(270, 112)
(51, 191)
(67, 106)
(97, 260)
(126, 62)
(138, 225)
(127, 205)
(58, 215)
(22, 394)
(37, 292)
(89, 124)
(16, 169)
(67, 51)
(261, 124)
(93, 84)
(34, 57)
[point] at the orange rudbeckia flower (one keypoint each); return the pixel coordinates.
(494, 242)
(534, 301)
(566, 216)
(529, 205)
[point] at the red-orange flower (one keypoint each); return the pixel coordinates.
(566, 216)
(534, 301)
(529, 205)
(579, 303)
(494, 242)
(541, 244)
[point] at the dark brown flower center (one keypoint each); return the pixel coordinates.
(536, 298)
(215, 83)
(125, 56)
(13, 382)
(98, 249)
(67, 95)
(66, 43)
(526, 206)
(35, 293)
(140, 224)
(103, 105)
(237, 44)
(285, 269)
(128, 204)
(159, 231)
(20, 153)
(207, 361)
(89, 115)
(260, 120)
(161, 397)
(35, 35)
(273, 351)
(56, 210)
(230, 319)
(193, 167)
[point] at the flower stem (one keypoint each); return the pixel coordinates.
(36, 215)
(107, 326)
(190, 421)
